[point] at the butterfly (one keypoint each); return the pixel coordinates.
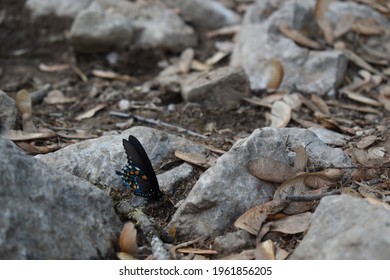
(138, 173)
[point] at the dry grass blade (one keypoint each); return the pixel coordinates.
(253, 219)
(271, 170)
(298, 37)
(53, 68)
(112, 75)
(17, 135)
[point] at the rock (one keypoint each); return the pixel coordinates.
(234, 242)
(95, 30)
(227, 189)
(155, 27)
(97, 159)
(49, 214)
(344, 228)
(260, 41)
(171, 179)
(8, 112)
(221, 88)
(59, 8)
(204, 14)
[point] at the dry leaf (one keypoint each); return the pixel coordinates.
(327, 122)
(244, 255)
(280, 114)
(18, 135)
(252, 220)
(271, 170)
(274, 73)
(320, 15)
(320, 104)
(112, 75)
(352, 107)
(360, 156)
(324, 178)
(90, 113)
(366, 141)
(300, 160)
(293, 101)
(199, 66)
(281, 254)
(329, 137)
(217, 57)
(265, 250)
(298, 37)
(193, 158)
(186, 58)
(57, 97)
(188, 250)
(24, 104)
(376, 152)
(124, 256)
(53, 68)
(292, 224)
(128, 239)
(363, 99)
(355, 58)
(32, 149)
(368, 27)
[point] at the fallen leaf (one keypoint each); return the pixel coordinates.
(298, 37)
(90, 113)
(320, 104)
(200, 66)
(292, 224)
(53, 68)
(274, 73)
(293, 101)
(193, 158)
(128, 239)
(366, 141)
(112, 75)
(18, 135)
(24, 104)
(280, 114)
(376, 152)
(265, 250)
(244, 255)
(359, 155)
(300, 160)
(217, 57)
(271, 170)
(253, 219)
(322, 21)
(57, 97)
(186, 58)
(324, 178)
(363, 99)
(368, 27)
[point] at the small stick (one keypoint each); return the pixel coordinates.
(302, 198)
(158, 123)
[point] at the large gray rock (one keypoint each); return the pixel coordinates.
(227, 189)
(344, 228)
(260, 40)
(221, 88)
(49, 214)
(204, 14)
(97, 159)
(107, 21)
(8, 112)
(60, 8)
(95, 30)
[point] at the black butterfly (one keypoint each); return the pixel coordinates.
(138, 173)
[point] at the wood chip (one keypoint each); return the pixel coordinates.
(90, 113)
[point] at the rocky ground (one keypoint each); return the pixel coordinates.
(266, 123)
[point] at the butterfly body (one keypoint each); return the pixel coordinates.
(138, 174)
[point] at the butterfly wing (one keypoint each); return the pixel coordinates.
(140, 171)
